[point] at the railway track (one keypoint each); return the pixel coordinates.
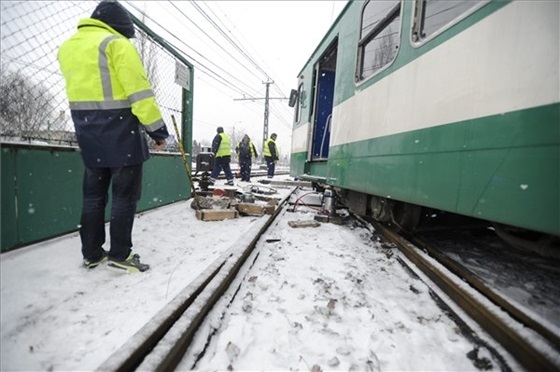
(161, 344)
(532, 343)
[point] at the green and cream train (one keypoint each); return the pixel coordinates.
(451, 106)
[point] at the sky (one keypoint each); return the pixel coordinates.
(274, 39)
(330, 297)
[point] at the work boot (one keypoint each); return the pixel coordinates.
(91, 264)
(131, 264)
(229, 183)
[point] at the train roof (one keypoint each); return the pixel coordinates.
(349, 2)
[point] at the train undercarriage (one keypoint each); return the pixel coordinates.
(412, 218)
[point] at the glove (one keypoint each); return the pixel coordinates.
(160, 144)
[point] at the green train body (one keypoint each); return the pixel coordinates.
(460, 111)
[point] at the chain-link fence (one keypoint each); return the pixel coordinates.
(33, 103)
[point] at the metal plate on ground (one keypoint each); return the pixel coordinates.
(307, 223)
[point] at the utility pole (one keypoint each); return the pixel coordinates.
(266, 112)
(265, 126)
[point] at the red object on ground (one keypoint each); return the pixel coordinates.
(218, 192)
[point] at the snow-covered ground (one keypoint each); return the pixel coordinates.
(330, 298)
(312, 299)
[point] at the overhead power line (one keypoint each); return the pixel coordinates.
(204, 68)
(223, 75)
(266, 107)
(232, 42)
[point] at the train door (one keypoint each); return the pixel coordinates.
(324, 80)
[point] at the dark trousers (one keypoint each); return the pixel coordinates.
(222, 163)
(270, 166)
(126, 191)
(245, 169)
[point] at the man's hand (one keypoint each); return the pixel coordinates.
(160, 145)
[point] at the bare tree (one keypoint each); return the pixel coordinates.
(25, 106)
(148, 50)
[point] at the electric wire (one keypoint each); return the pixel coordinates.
(203, 67)
(236, 44)
(232, 42)
(278, 114)
(240, 87)
(210, 37)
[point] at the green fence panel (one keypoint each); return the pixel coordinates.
(8, 228)
(48, 192)
(42, 190)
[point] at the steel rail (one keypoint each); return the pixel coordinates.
(522, 349)
(161, 343)
(488, 292)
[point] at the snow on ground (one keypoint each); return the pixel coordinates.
(315, 299)
(312, 299)
(56, 315)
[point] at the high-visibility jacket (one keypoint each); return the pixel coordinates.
(221, 146)
(252, 150)
(110, 97)
(270, 149)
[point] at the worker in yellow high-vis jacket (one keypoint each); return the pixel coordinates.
(113, 108)
(221, 147)
(271, 154)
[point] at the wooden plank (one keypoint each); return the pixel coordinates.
(216, 214)
(251, 209)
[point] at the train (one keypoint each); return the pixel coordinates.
(417, 108)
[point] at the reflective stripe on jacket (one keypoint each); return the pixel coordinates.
(109, 96)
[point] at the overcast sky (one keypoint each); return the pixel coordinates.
(272, 40)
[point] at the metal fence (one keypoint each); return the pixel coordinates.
(33, 103)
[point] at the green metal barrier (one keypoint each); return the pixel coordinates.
(42, 190)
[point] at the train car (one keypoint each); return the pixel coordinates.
(449, 106)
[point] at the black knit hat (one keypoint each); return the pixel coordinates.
(116, 16)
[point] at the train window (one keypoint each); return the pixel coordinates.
(432, 16)
(379, 36)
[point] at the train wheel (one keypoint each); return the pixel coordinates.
(405, 216)
(380, 209)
